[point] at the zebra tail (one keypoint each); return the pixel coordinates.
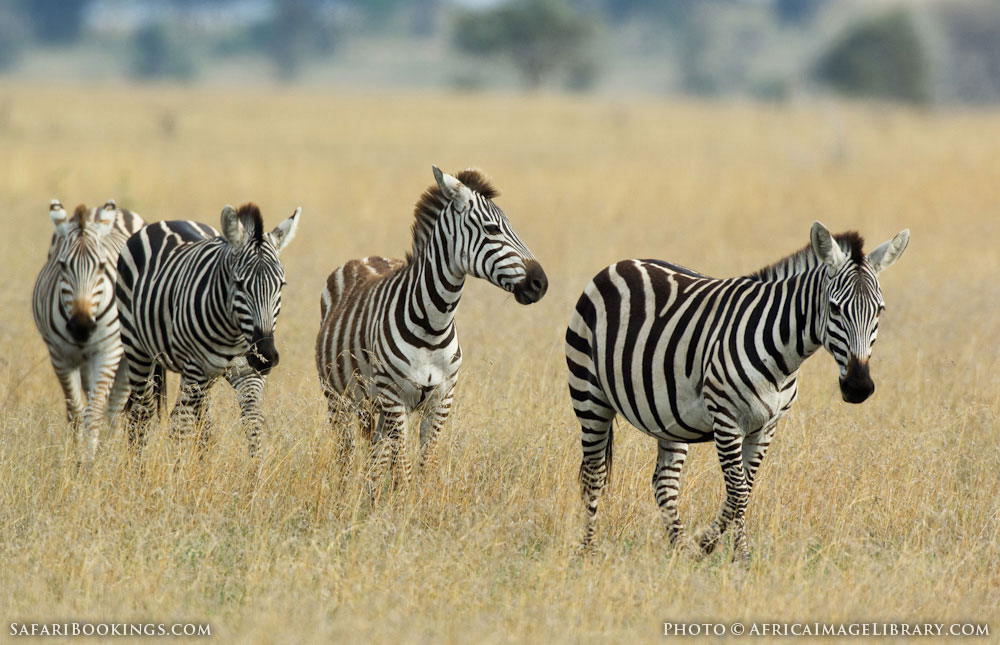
(609, 454)
(160, 388)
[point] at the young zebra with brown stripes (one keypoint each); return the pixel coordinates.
(687, 358)
(205, 304)
(74, 309)
(387, 343)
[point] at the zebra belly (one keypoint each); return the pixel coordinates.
(690, 423)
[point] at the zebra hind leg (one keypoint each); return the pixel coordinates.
(146, 387)
(339, 413)
(597, 436)
(666, 488)
(100, 383)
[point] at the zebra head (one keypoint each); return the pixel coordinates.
(256, 277)
(485, 244)
(86, 280)
(851, 302)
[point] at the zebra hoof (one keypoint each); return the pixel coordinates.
(707, 541)
(687, 547)
(585, 548)
(741, 558)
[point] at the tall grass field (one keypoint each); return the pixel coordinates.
(887, 511)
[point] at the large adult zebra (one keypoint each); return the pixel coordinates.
(687, 358)
(206, 305)
(74, 309)
(387, 344)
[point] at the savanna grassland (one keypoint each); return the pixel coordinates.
(887, 511)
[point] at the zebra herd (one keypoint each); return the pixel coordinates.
(683, 357)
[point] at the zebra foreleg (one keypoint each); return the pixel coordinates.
(670, 460)
(118, 396)
(430, 428)
(100, 381)
(729, 446)
(249, 385)
(69, 379)
(388, 443)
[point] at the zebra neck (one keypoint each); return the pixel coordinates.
(218, 287)
(802, 316)
(434, 289)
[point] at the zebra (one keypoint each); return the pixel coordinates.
(74, 309)
(206, 305)
(388, 345)
(687, 358)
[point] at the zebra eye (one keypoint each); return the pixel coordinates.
(491, 229)
(881, 308)
(834, 308)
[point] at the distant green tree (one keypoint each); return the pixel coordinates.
(881, 57)
(539, 37)
(797, 11)
(971, 65)
(157, 54)
(297, 33)
(55, 21)
(12, 38)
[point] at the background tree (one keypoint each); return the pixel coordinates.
(971, 66)
(298, 32)
(157, 53)
(539, 37)
(12, 37)
(882, 57)
(55, 21)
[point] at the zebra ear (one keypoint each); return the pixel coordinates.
(284, 232)
(232, 228)
(453, 189)
(825, 247)
(58, 216)
(887, 253)
(105, 218)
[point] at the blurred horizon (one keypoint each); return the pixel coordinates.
(939, 53)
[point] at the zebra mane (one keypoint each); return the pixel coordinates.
(433, 201)
(804, 259)
(80, 216)
(250, 218)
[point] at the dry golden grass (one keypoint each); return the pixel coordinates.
(885, 511)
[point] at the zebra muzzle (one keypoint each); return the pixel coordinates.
(262, 355)
(857, 384)
(81, 326)
(533, 286)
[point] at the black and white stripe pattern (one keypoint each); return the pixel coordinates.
(387, 344)
(687, 358)
(204, 304)
(74, 309)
